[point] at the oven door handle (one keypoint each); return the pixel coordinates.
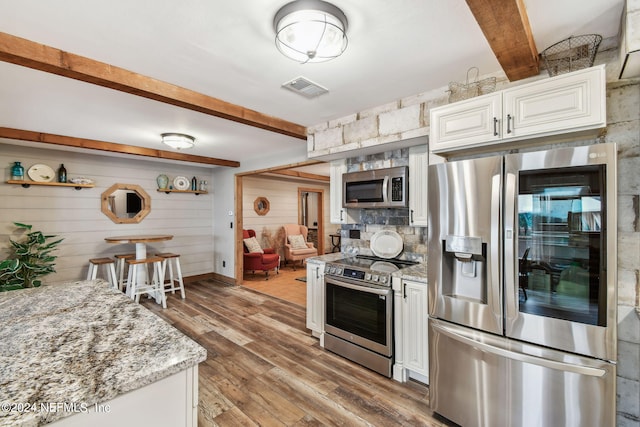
(371, 290)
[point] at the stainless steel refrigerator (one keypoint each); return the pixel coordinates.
(522, 288)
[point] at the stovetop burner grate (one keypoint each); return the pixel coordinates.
(366, 262)
(400, 263)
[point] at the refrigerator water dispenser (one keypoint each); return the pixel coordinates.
(464, 262)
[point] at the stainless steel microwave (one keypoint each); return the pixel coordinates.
(378, 188)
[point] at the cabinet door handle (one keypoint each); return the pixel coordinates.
(495, 126)
(317, 273)
(340, 214)
(411, 218)
(404, 290)
(508, 123)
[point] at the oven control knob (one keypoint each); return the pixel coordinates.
(327, 269)
(383, 279)
(375, 277)
(339, 271)
(367, 276)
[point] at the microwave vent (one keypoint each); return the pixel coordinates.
(305, 87)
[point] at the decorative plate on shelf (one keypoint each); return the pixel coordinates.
(181, 183)
(41, 173)
(386, 244)
(80, 180)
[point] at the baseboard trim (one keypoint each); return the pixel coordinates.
(224, 279)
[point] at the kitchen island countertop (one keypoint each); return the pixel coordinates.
(78, 344)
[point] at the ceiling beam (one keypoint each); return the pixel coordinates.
(505, 25)
(92, 144)
(40, 57)
(300, 174)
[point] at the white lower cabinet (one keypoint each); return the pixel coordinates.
(412, 340)
(170, 402)
(315, 297)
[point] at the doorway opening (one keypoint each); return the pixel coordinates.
(293, 172)
(311, 215)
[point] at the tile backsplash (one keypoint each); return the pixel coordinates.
(370, 221)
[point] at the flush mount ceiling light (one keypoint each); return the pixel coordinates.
(310, 31)
(178, 140)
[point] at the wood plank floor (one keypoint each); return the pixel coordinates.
(263, 367)
(282, 285)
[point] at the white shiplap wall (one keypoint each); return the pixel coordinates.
(283, 199)
(76, 215)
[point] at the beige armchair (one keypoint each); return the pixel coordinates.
(296, 247)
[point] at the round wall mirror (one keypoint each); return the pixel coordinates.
(126, 203)
(261, 205)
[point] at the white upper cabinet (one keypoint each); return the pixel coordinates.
(566, 103)
(466, 123)
(338, 214)
(418, 162)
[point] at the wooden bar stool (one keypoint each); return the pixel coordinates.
(154, 287)
(109, 267)
(121, 267)
(175, 281)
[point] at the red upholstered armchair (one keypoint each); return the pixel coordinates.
(263, 261)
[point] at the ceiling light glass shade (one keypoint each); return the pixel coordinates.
(310, 31)
(178, 140)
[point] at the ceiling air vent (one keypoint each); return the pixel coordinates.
(305, 87)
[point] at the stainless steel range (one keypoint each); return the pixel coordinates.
(359, 310)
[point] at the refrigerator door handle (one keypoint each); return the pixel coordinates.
(510, 239)
(495, 294)
(520, 357)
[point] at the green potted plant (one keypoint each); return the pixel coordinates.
(31, 259)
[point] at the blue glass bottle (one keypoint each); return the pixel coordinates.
(17, 172)
(62, 173)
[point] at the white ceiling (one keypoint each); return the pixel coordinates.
(225, 49)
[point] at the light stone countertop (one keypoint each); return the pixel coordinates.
(416, 272)
(327, 257)
(81, 343)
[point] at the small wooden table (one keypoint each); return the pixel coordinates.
(140, 241)
(141, 248)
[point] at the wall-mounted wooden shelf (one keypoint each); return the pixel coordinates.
(27, 184)
(168, 190)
